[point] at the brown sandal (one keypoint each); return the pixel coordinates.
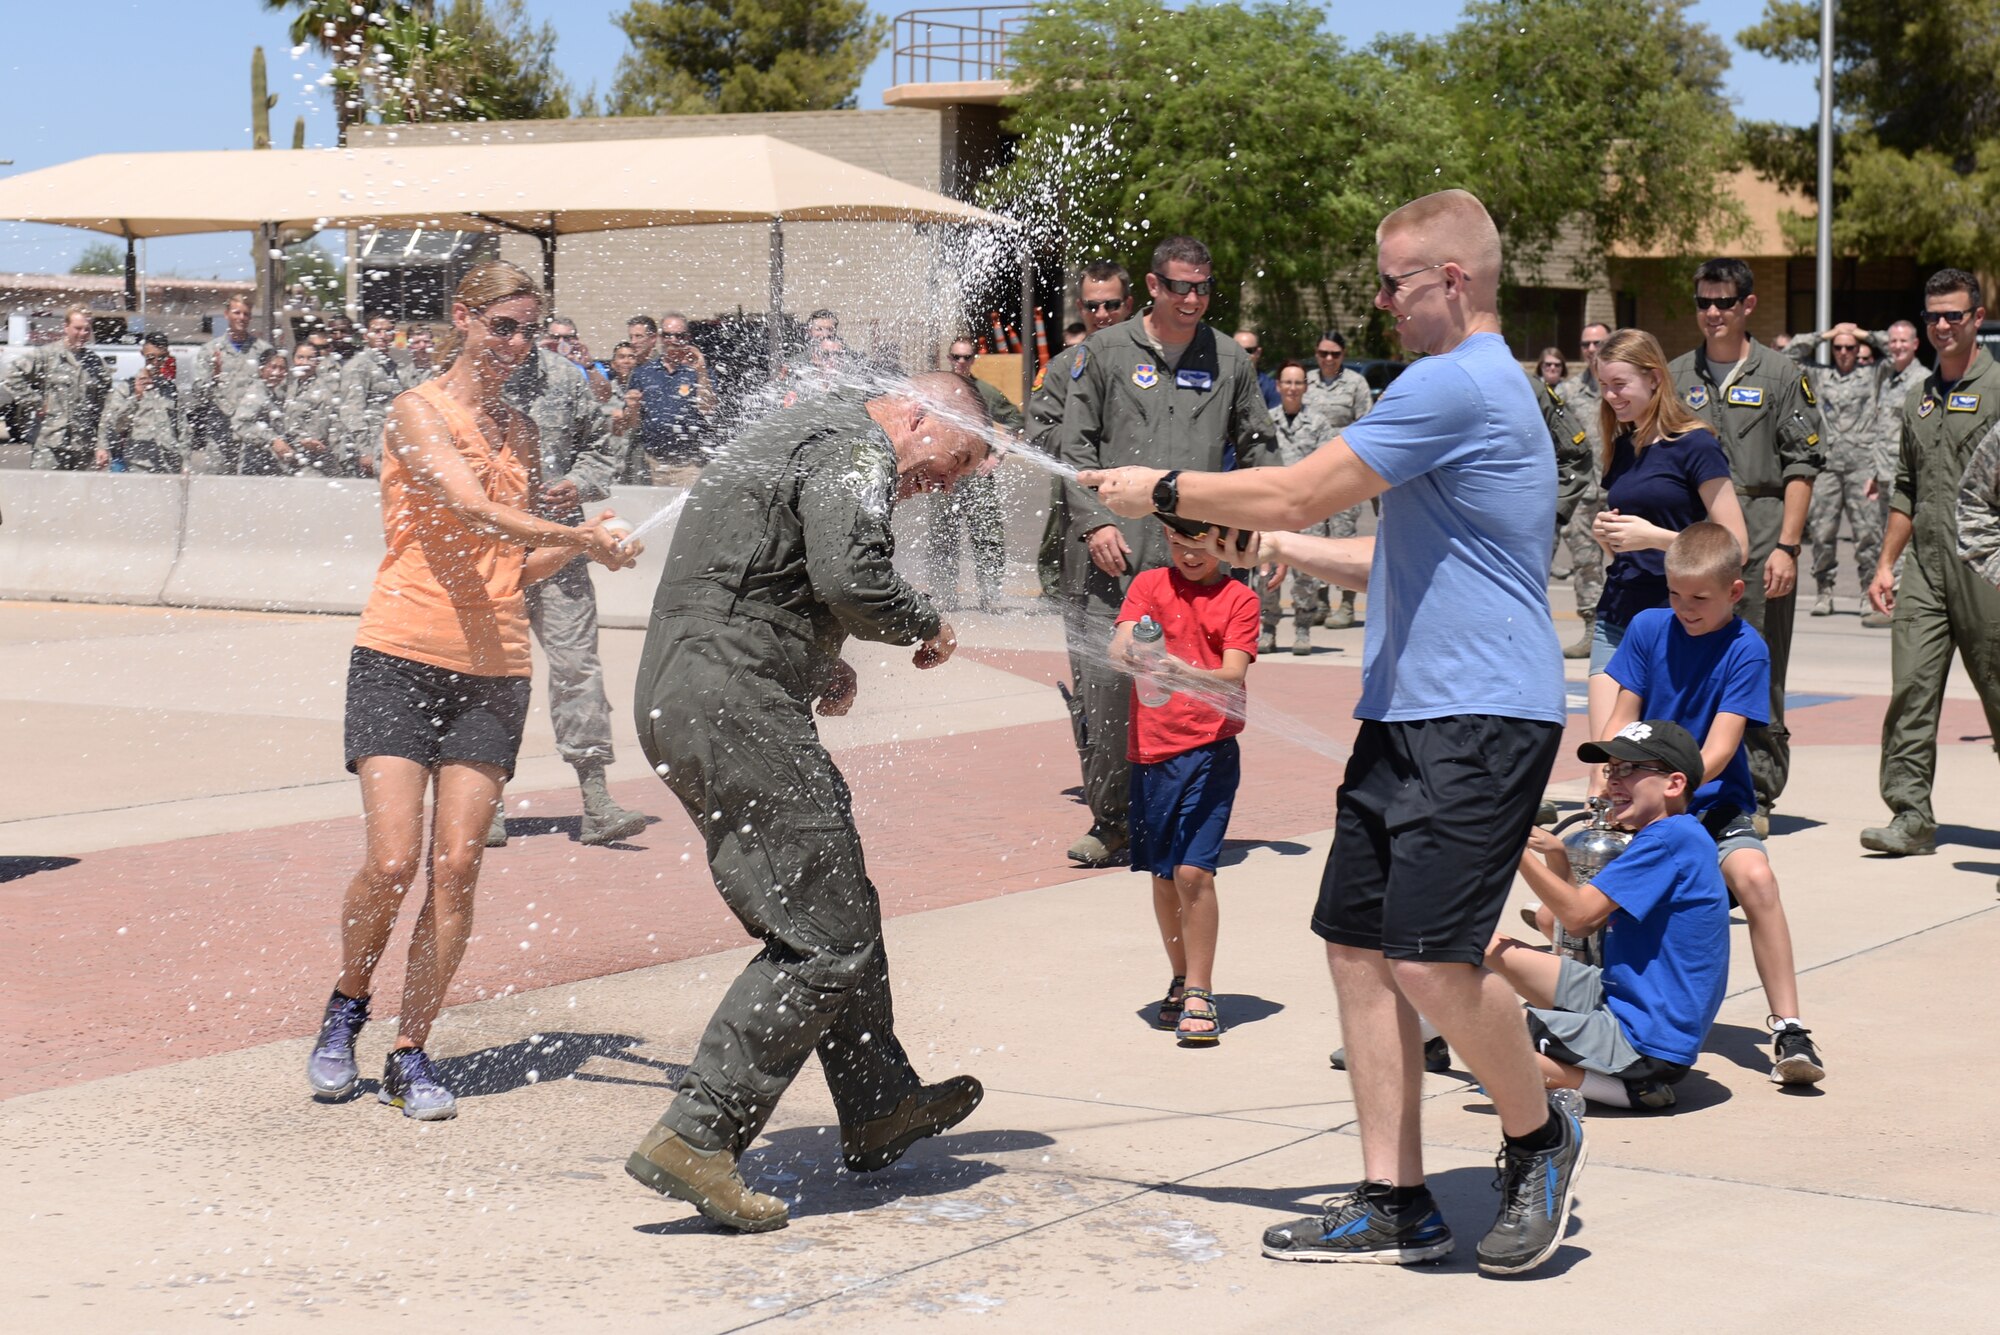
(1171, 1005)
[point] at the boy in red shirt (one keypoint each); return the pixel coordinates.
(1184, 759)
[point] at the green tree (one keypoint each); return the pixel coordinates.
(1917, 127)
(318, 272)
(100, 259)
(403, 61)
(1607, 114)
(691, 57)
(1248, 127)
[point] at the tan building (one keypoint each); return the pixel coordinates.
(897, 287)
(186, 308)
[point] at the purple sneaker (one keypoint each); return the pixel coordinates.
(411, 1083)
(331, 1070)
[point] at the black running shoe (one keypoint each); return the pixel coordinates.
(1794, 1059)
(1354, 1228)
(1437, 1056)
(1536, 1191)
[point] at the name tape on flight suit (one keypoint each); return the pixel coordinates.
(1962, 403)
(1194, 379)
(1743, 396)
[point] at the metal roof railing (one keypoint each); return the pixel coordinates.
(966, 45)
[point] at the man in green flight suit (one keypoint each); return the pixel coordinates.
(1942, 604)
(1761, 407)
(1162, 391)
(66, 384)
(783, 551)
(1105, 292)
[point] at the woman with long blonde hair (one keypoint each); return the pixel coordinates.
(1663, 470)
(438, 681)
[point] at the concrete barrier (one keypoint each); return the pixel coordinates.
(89, 537)
(625, 597)
(278, 544)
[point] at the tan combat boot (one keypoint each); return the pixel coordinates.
(924, 1112)
(705, 1179)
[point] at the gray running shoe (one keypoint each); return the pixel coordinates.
(1355, 1228)
(1536, 1192)
(332, 1070)
(411, 1082)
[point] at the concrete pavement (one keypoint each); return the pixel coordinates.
(168, 1172)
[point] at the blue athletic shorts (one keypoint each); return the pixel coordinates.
(1180, 808)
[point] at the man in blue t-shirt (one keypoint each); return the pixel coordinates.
(1461, 716)
(1624, 1034)
(1700, 664)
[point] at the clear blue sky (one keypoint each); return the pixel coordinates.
(165, 74)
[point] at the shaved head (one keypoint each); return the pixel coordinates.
(1450, 225)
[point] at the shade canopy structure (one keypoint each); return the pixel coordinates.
(542, 190)
(551, 189)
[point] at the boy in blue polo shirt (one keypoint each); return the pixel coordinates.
(1624, 1034)
(1696, 662)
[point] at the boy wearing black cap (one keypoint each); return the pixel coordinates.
(1624, 1034)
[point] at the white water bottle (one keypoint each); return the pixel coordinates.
(1148, 648)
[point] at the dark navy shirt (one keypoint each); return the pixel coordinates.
(670, 416)
(1660, 484)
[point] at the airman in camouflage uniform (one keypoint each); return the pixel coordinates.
(1136, 399)
(783, 551)
(312, 413)
(1941, 605)
(1341, 397)
(1850, 403)
(143, 423)
(369, 383)
(974, 506)
(258, 424)
(1764, 412)
(578, 466)
(1583, 398)
(67, 383)
(222, 373)
(1299, 429)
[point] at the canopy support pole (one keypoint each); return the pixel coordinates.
(774, 321)
(1823, 262)
(267, 277)
(544, 237)
(1027, 325)
(131, 272)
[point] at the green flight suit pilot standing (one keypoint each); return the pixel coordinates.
(1942, 604)
(1761, 408)
(1163, 390)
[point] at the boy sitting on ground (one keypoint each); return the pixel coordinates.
(1625, 1033)
(1184, 760)
(1699, 664)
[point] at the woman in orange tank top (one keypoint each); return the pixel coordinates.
(437, 687)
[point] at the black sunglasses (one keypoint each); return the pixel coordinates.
(1945, 317)
(1180, 287)
(506, 326)
(961, 356)
(1716, 303)
(1114, 304)
(1329, 352)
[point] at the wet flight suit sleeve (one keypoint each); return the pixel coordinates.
(845, 496)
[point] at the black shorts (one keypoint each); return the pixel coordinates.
(432, 715)
(1428, 830)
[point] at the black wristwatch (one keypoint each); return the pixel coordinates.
(1167, 493)
(1790, 549)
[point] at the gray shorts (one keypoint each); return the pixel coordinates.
(1581, 1030)
(1732, 830)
